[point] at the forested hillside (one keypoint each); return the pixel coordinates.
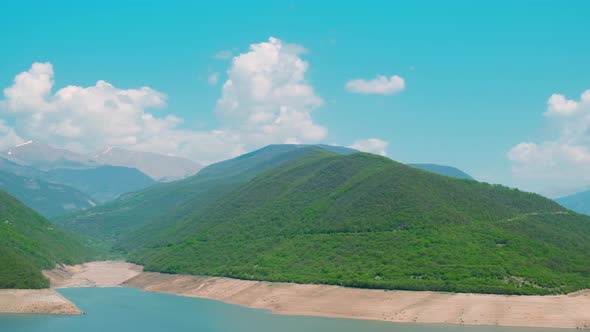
(29, 243)
(366, 221)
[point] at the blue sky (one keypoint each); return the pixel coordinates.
(477, 76)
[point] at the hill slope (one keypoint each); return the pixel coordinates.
(137, 216)
(579, 202)
(48, 199)
(443, 170)
(103, 183)
(366, 221)
(29, 243)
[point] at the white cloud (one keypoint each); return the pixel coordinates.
(8, 137)
(371, 145)
(266, 99)
(560, 106)
(213, 79)
(563, 161)
(381, 85)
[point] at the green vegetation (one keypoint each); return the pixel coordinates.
(366, 221)
(309, 215)
(48, 199)
(135, 218)
(29, 243)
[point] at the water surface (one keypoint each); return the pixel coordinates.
(130, 310)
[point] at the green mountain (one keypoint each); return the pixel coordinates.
(304, 214)
(48, 199)
(579, 202)
(102, 183)
(29, 243)
(366, 221)
(140, 215)
(443, 170)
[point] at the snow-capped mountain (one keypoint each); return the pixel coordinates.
(45, 157)
(158, 166)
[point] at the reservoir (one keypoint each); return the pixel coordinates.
(129, 309)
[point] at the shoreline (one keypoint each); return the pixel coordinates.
(570, 311)
(36, 301)
(559, 311)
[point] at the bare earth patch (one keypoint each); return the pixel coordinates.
(564, 311)
(93, 274)
(35, 301)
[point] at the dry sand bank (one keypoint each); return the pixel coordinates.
(562, 311)
(35, 301)
(93, 274)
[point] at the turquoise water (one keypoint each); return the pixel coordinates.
(128, 309)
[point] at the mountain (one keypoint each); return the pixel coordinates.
(29, 243)
(10, 165)
(579, 202)
(48, 199)
(144, 213)
(307, 215)
(102, 183)
(44, 156)
(443, 170)
(69, 189)
(157, 166)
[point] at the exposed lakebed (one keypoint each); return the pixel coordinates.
(128, 309)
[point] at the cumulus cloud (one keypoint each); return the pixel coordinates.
(266, 96)
(8, 137)
(265, 99)
(371, 145)
(564, 159)
(381, 85)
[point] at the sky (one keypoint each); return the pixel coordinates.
(499, 89)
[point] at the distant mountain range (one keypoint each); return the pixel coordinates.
(46, 157)
(443, 170)
(54, 181)
(579, 202)
(308, 214)
(159, 167)
(49, 199)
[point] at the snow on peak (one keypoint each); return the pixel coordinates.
(25, 143)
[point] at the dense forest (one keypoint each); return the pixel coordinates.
(29, 243)
(310, 215)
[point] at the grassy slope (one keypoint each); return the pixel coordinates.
(29, 243)
(366, 221)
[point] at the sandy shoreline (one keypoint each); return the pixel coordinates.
(564, 311)
(560, 311)
(35, 301)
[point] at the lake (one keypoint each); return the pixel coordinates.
(128, 309)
